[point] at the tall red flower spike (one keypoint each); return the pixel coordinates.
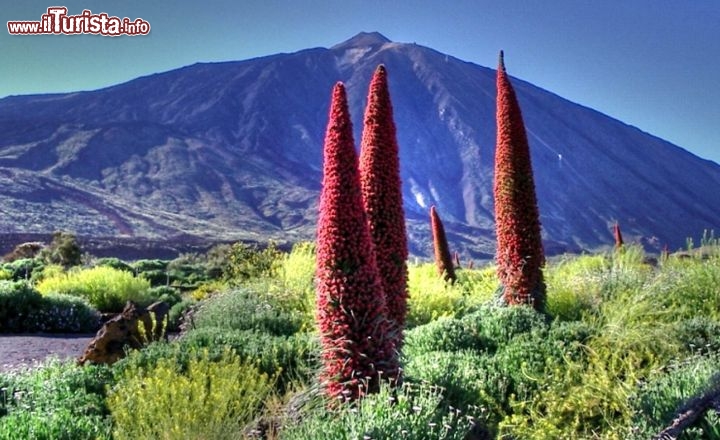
(618, 236)
(350, 304)
(520, 255)
(382, 195)
(443, 261)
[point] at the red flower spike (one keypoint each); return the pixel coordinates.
(520, 255)
(382, 197)
(350, 305)
(443, 261)
(618, 236)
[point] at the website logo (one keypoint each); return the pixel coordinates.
(57, 22)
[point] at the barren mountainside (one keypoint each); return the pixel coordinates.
(233, 151)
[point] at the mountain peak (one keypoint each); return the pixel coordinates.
(363, 39)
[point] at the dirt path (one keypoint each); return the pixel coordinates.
(27, 349)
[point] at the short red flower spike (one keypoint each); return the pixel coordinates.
(618, 236)
(443, 260)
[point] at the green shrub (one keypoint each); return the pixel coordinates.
(167, 294)
(115, 263)
(107, 289)
(206, 290)
(23, 269)
(658, 400)
(176, 313)
(699, 335)
(46, 271)
(23, 309)
(571, 338)
(18, 301)
(688, 288)
(188, 270)
(58, 400)
(445, 334)
(414, 412)
(65, 314)
(247, 309)
(291, 358)
(500, 324)
(574, 286)
(297, 268)
(246, 261)
(431, 297)
(294, 283)
(155, 271)
(211, 399)
(587, 390)
(63, 250)
(468, 377)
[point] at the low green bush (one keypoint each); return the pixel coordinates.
(688, 288)
(18, 300)
(291, 359)
(23, 269)
(56, 401)
(445, 334)
(248, 309)
(699, 335)
(574, 286)
(23, 309)
(468, 378)
(177, 311)
(115, 263)
(500, 324)
(65, 314)
(658, 401)
(188, 271)
(167, 294)
(413, 412)
(155, 271)
(484, 330)
(213, 398)
(293, 283)
(106, 289)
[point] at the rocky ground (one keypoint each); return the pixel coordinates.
(21, 350)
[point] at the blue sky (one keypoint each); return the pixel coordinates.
(654, 64)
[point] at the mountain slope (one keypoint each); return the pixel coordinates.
(233, 150)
